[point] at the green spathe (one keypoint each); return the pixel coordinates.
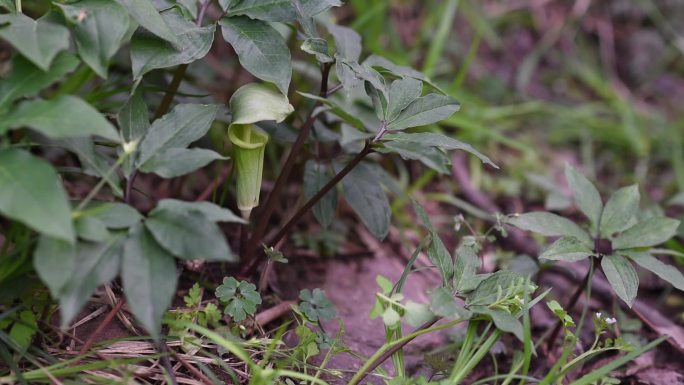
(250, 104)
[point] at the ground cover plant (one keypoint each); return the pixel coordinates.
(272, 192)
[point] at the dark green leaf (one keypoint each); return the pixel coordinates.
(486, 293)
(149, 279)
(650, 232)
(443, 304)
(39, 41)
(26, 79)
(54, 261)
(619, 210)
(134, 117)
(440, 257)
(95, 265)
(93, 162)
(174, 162)
(550, 225)
(465, 268)
(430, 156)
(567, 249)
(417, 314)
(48, 118)
(208, 210)
(336, 109)
(316, 175)
(268, 10)
(503, 320)
(144, 12)
(668, 273)
(114, 215)
(385, 65)
(316, 305)
(260, 49)
(99, 27)
(586, 196)
(425, 110)
(436, 140)
(189, 236)
(183, 125)
(365, 195)
(8, 5)
(149, 52)
(241, 298)
(32, 194)
(402, 92)
(347, 41)
(318, 47)
(91, 229)
(352, 74)
(621, 276)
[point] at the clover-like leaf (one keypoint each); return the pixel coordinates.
(316, 305)
(241, 298)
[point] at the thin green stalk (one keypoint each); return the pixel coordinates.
(457, 377)
(401, 341)
(437, 45)
(17, 4)
(466, 347)
(102, 182)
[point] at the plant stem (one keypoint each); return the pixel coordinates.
(386, 350)
(251, 263)
(272, 199)
(571, 304)
(458, 376)
(17, 4)
(102, 182)
(171, 91)
(180, 71)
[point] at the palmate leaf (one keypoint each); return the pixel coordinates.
(260, 48)
(30, 189)
(316, 305)
(99, 27)
(37, 40)
(149, 279)
(240, 297)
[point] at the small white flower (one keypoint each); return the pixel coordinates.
(598, 315)
(610, 321)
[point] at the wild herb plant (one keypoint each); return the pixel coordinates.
(89, 100)
(617, 236)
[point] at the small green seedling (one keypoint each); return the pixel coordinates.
(240, 297)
